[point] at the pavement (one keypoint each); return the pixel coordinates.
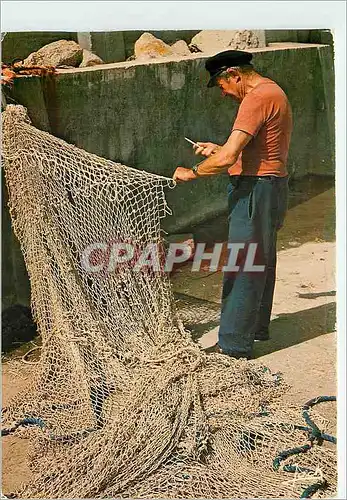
(303, 338)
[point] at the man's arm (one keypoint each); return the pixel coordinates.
(218, 162)
(226, 156)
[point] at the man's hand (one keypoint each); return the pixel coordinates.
(183, 175)
(206, 148)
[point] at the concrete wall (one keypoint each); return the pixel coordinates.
(139, 113)
(15, 288)
(115, 46)
(300, 36)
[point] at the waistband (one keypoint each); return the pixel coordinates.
(236, 179)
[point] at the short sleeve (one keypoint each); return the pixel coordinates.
(251, 115)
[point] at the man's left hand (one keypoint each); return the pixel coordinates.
(183, 175)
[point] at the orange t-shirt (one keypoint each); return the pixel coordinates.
(264, 113)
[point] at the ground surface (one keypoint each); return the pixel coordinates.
(15, 470)
(302, 346)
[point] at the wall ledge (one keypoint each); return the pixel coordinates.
(273, 47)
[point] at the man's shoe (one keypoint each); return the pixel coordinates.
(217, 349)
(262, 335)
(214, 349)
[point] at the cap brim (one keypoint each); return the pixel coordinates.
(213, 80)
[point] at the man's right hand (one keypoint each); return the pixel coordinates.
(206, 148)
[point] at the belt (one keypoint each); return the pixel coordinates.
(235, 179)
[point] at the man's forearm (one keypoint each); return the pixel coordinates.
(216, 164)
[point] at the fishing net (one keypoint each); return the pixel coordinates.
(123, 403)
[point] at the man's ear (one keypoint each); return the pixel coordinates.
(233, 73)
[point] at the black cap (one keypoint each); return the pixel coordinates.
(227, 59)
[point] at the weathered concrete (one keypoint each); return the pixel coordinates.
(110, 46)
(15, 288)
(301, 36)
(114, 46)
(139, 113)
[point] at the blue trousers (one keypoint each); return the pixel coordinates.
(257, 207)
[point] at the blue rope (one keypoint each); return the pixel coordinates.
(288, 453)
(315, 434)
(310, 490)
(40, 423)
(24, 422)
(313, 430)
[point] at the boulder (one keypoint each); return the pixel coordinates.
(59, 53)
(245, 39)
(180, 48)
(150, 47)
(212, 41)
(90, 59)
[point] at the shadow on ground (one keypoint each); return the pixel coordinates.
(291, 329)
(314, 295)
(199, 316)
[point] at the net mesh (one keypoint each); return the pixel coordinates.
(126, 404)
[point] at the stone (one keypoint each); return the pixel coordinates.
(294, 244)
(150, 47)
(90, 59)
(180, 48)
(59, 53)
(244, 39)
(213, 41)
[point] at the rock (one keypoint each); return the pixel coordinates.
(90, 59)
(180, 48)
(193, 48)
(219, 40)
(294, 243)
(244, 39)
(150, 47)
(61, 52)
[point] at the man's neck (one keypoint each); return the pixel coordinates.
(249, 82)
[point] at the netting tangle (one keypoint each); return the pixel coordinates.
(123, 402)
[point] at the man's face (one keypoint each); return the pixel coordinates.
(230, 86)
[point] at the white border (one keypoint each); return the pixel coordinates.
(130, 15)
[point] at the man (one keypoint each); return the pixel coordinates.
(255, 157)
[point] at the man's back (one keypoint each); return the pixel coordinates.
(264, 113)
